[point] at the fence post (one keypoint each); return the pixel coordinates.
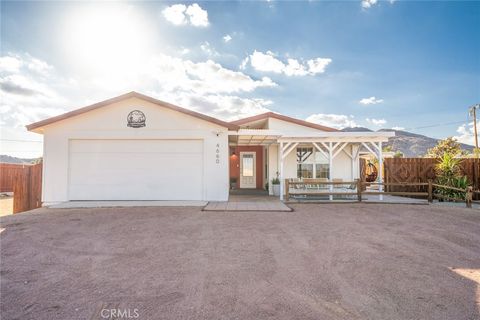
(287, 189)
(469, 197)
(359, 190)
(430, 191)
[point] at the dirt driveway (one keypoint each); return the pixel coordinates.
(344, 261)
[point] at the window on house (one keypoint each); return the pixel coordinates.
(321, 166)
(311, 163)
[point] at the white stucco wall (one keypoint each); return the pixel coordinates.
(110, 122)
(289, 128)
(272, 164)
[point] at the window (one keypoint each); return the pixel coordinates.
(311, 163)
(321, 166)
(321, 171)
(247, 165)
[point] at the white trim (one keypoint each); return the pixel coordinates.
(380, 170)
(330, 168)
(371, 151)
(291, 147)
(280, 157)
(340, 149)
(320, 149)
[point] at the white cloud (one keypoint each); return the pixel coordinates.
(371, 100)
(198, 16)
(368, 3)
(376, 122)
(27, 90)
(175, 14)
(268, 62)
(212, 77)
(10, 64)
(227, 38)
(225, 107)
(244, 63)
(338, 121)
(398, 128)
(184, 51)
(466, 134)
(180, 14)
(318, 65)
(208, 49)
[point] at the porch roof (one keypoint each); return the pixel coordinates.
(339, 137)
(254, 136)
(268, 136)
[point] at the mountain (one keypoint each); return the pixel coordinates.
(9, 159)
(410, 144)
(356, 129)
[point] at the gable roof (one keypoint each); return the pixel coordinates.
(284, 118)
(132, 94)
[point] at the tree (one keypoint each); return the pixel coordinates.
(398, 154)
(387, 149)
(448, 146)
(476, 152)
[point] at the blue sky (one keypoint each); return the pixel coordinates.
(400, 64)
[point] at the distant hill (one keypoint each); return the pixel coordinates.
(356, 129)
(9, 159)
(410, 144)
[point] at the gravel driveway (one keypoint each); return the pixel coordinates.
(322, 261)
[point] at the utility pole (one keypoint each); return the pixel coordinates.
(473, 112)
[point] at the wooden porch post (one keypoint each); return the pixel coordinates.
(280, 155)
(330, 165)
(380, 169)
(267, 161)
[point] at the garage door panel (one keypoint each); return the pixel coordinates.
(136, 146)
(119, 174)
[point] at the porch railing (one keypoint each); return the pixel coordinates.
(355, 190)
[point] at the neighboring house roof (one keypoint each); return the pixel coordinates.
(132, 94)
(284, 118)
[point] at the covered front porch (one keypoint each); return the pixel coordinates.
(327, 156)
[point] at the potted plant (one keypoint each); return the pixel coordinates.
(276, 187)
(233, 183)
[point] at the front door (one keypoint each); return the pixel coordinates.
(248, 170)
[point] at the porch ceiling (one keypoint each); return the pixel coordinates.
(253, 137)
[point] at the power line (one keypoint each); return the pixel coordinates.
(437, 125)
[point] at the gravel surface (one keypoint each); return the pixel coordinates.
(322, 261)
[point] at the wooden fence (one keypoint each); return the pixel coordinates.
(420, 170)
(8, 171)
(355, 190)
(25, 181)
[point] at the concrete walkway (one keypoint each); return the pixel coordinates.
(109, 204)
(248, 203)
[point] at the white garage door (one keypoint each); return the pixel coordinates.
(136, 170)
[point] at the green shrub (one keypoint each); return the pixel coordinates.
(449, 174)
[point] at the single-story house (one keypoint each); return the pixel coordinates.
(134, 147)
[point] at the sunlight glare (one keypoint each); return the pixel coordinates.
(111, 39)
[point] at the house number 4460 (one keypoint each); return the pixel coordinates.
(217, 153)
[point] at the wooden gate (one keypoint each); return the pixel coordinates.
(27, 188)
(420, 170)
